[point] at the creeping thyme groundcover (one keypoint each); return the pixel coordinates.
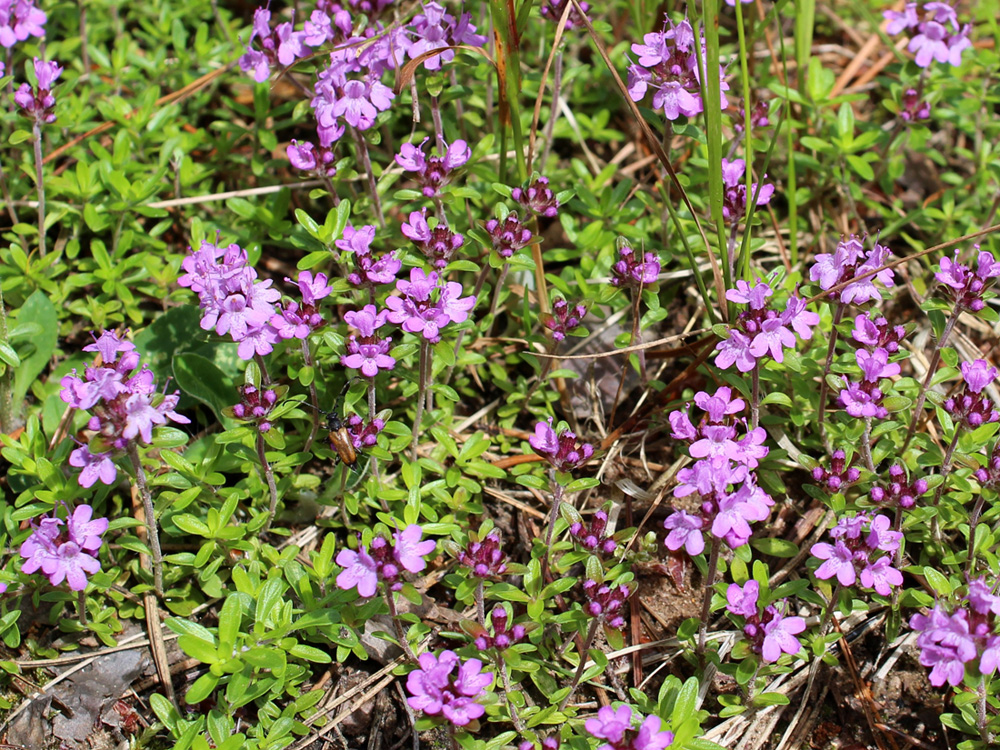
(516, 374)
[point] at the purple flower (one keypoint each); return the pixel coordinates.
(779, 635)
(410, 550)
(38, 102)
(978, 374)
(881, 576)
(561, 449)
(436, 29)
(606, 602)
(610, 724)
(554, 9)
(486, 558)
(939, 35)
(63, 550)
(898, 491)
(563, 319)
(965, 286)
(124, 406)
(946, 644)
(734, 204)
(509, 235)
(537, 198)
(668, 63)
(742, 600)
(685, 531)
(735, 350)
(417, 310)
(384, 561)
(433, 172)
(306, 157)
(854, 553)
(849, 261)
(434, 690)
(95, 466)
(20, 19)
(363, 434)
(438, 244)
(632, 272)
(359, 571)
(914, 109)
(279, 47)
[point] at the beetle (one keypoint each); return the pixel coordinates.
(340, 439)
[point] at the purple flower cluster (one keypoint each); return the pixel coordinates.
(989, 475)
(437, 244)
(965, 286)
(503, 636)
(592, 537)
(668, 63)
(124, 404)
(433, 172)
(295, 321)
(364, 434)
(20, 19)
(385, 562)
(939, 35)
(435, 28)
(950, 642)
(874, 332)
(758, 116)
(606, 602)
(38, 102)
(563, 319)
(863, 549)
(277, 47)
(255, 405)
(434, 689)
(509, 235)
(899, 491)
(537, 198)
(972, 408)
(366, 350)
(561, 449)
(426, 304)
(554, 9)
(734, 202)
(369, 270)
(631, 272)
(722, 476)
(839, 475)
(65, 550)
(232, 300)
(307, 157)
(847, 262)
(770, 631)
(914, 109)
(485, 558)
(760, 331)
(615, 726)
(863, 398)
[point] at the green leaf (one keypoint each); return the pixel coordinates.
(230, 619)
(937, 581)
(36, 309)
(770, 699)
(202, 688)
(200, 378)
(8, 355)
(774, 547)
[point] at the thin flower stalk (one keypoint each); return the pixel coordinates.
(550, 126)
(838, 315)
(931, 369)
(706, 604)
(866, 445)
(366, 163)
(404, 643)
(588, 642)
(421, 391)
(36, 130)
(268, 473)
(151, 526)
(313, 397)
